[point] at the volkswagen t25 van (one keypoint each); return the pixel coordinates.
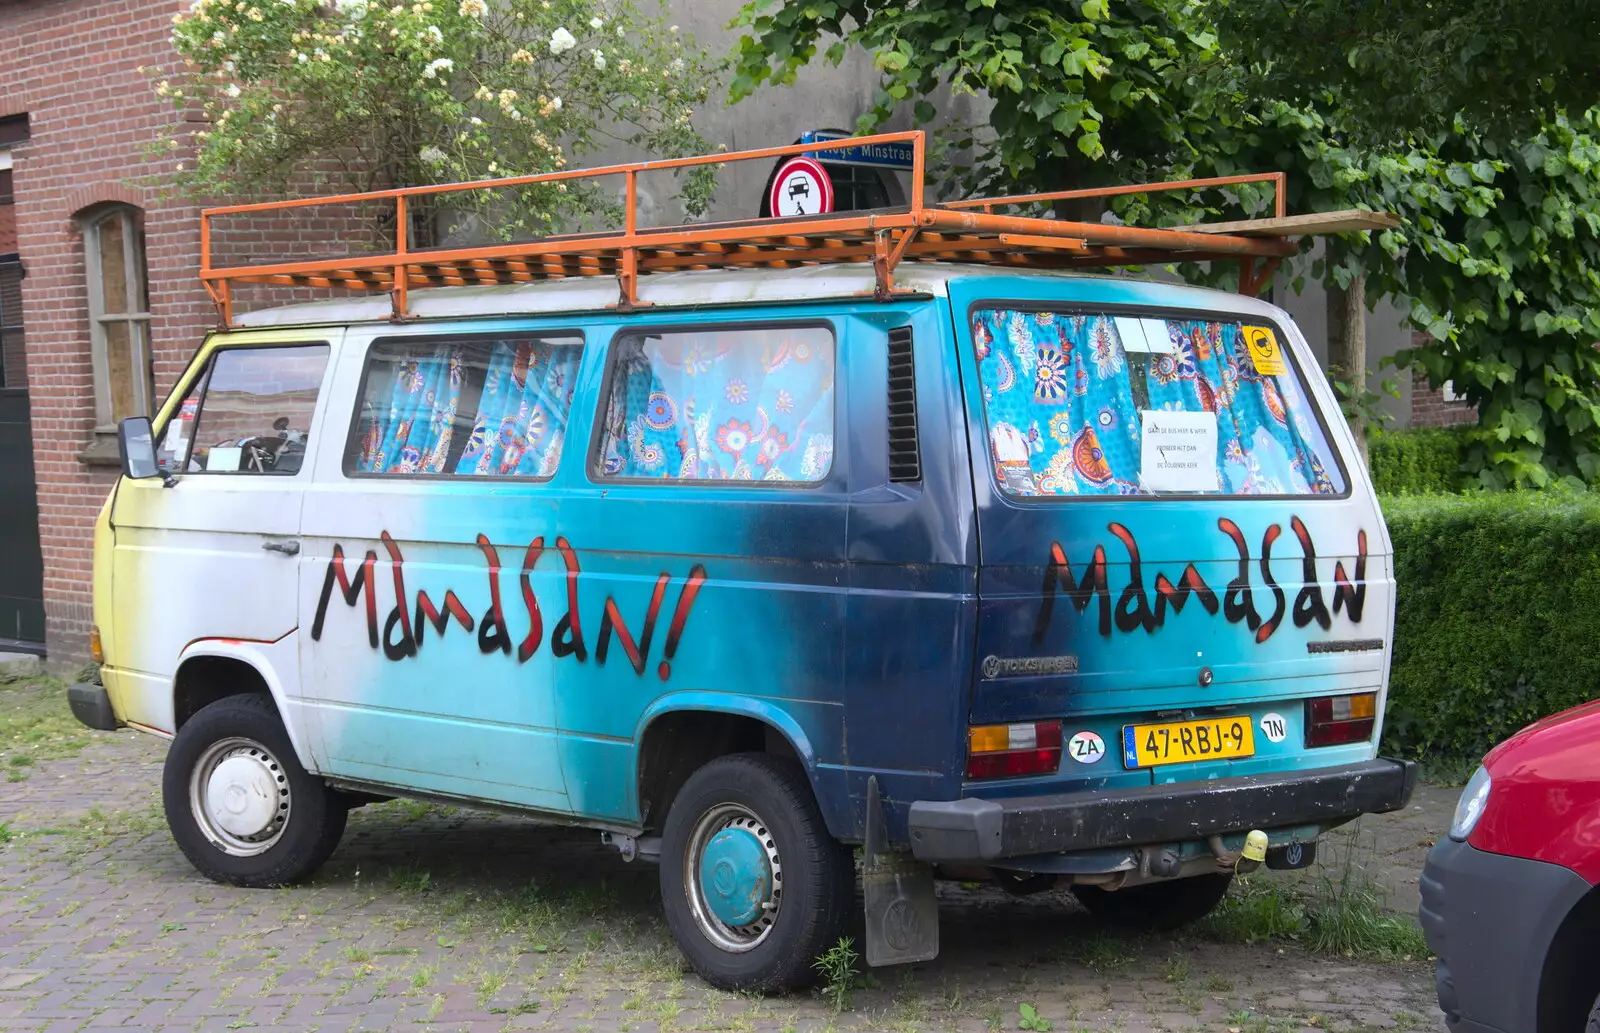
(1007, 573)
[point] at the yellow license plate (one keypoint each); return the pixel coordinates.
(1217, 738)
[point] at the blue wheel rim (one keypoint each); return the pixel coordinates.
(733, 877)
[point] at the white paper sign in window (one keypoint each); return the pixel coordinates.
(1144, 335)
(1178, 451)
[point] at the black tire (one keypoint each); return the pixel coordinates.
(1156, 906)
(308, 819)
(817, 873)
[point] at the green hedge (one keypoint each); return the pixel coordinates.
(1497, 615)
(1416, 462)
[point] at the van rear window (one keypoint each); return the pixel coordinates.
(1093, 403)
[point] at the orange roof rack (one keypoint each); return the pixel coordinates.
(960, 231)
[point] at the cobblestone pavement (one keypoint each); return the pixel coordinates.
(434, 919)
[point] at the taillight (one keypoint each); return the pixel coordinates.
(1333, 720)
(998, 751)
(97, 652)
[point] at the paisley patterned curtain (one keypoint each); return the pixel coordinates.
(523, 411)
(749, 404)
(412, 435)
(1063, 400)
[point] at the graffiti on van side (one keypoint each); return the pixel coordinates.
(1139, 607)
(405, 632)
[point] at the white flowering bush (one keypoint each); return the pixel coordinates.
(354, 95)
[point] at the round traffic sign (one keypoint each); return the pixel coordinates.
(801, 187)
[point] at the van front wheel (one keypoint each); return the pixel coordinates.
(240, 806)
(1156, 906)
(753, 886)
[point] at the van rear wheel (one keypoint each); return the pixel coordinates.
(753, 886)
(239, 805)
(1156, 906)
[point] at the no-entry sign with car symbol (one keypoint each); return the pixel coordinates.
(801, 187)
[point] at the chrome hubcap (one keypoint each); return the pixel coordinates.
(734, 877)
(239, 796)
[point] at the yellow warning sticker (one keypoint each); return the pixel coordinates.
(1265, 355)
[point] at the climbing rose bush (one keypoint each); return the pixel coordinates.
(302, 96)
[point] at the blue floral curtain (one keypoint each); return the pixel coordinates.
(523, 411)
(744, 405)
(412, 434)
(1059, 395)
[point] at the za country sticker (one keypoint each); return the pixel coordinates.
(1086, 747)
(1265, 355)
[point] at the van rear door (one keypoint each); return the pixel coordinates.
(1177, 552)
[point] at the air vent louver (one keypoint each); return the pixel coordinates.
(905, 459)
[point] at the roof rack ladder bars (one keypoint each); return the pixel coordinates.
(218, 291)
(628, 275)
(1253, 279)
(400, 279)
(956, 231)
(885, 258)
(1277, 179)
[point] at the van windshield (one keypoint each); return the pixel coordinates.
(1092, 403)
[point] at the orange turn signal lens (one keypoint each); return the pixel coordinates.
(97, 652)
(988, 738)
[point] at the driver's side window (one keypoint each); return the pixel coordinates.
(249, 412)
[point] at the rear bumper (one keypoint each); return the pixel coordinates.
(973, 829)
(1489, 920)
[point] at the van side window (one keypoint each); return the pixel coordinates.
(741, 404)
(468, 406)
(1093, 403)
(248, 413)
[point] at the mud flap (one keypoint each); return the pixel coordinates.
(902, 914)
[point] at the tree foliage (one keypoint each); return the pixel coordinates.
(1400, 66)
(358, 95)
(1495, 257)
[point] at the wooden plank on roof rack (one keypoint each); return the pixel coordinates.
(1311, 224)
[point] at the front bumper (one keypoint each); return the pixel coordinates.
(1489, 920)
(983, 830)
(91, 704)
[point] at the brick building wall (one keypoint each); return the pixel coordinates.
(1434, 408)
(72, 66)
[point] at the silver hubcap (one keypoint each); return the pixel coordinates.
(733, 938)
(239, 796)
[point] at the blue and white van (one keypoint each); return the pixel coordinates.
(1052, 579)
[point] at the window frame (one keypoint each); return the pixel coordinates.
(11, 322)
(137, 285)
(594, 467)
(200, 379)
(1160, 312)
(352, 441)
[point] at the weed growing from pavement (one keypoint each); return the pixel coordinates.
(1101, 952)
(1341, 911)
(95, 830)
(36, 724)
(837, 967)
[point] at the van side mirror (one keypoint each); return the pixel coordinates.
(136, 442)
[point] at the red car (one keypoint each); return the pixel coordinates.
(1510, 902)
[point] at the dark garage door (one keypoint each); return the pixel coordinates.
(21, 566)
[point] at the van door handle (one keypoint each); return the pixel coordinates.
(287, 548)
